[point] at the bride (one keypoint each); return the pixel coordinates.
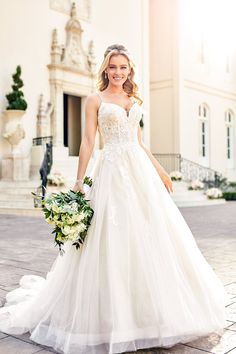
(139, 280)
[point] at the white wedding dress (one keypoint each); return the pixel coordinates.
(138, 281)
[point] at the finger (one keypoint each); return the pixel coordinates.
(82, 191)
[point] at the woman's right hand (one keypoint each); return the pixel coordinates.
(78, 187)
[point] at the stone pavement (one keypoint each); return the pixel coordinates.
(26, 248)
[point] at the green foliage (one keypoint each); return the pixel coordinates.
(141, 123)
(16, 97)
(229, 195)
(69, 213)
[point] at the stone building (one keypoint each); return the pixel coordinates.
(186, 75)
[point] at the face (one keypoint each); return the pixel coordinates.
(118, 70)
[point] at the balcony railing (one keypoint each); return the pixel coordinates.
(190, 170)
(42, 140)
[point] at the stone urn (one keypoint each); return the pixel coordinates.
(13, 129)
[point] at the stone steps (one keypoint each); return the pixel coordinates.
(21, 211)
(182, 196)
(16, 198)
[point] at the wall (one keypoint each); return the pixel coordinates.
(25, 38)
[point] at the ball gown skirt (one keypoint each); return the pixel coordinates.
(138, 281)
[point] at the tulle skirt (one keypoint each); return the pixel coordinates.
(138, 281)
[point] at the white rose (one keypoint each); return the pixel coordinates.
(48, 206)
(70, 220)
(74, 206)
(78, 217)
(66, 230)
(59, 223)
(73, 236)
(55, 208)
(81, 227)
(49, 221)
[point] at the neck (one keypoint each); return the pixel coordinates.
(115, 90)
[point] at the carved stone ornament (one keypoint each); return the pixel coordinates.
(72, 55)
(14, 131)
(43, 117)
(64, 6)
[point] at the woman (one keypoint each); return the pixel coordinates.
(139, 280)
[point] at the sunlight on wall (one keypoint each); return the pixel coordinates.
(211, 21)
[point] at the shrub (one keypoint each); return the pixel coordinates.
(16, 97)
(229, 195)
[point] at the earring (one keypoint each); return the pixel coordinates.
(129, 76)
(105, 74)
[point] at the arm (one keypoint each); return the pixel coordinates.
(87, 144)
(160, 170)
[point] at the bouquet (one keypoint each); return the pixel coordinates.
(71, 215)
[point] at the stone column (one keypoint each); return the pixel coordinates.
(57, 129)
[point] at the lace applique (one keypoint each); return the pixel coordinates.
(112, 152)
(119, 131)
(114, 124)
(112, 218)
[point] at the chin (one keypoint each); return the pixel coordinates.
(118, 83)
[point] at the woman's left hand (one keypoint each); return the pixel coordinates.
(167, 182)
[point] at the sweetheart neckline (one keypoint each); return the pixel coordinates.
(115, 104)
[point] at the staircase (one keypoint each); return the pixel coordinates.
(183, 197)
(16, 198)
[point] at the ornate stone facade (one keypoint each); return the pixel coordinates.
(64, 6)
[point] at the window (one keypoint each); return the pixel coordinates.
(229, 126)
(203, 115)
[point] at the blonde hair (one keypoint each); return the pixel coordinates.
(129, 86)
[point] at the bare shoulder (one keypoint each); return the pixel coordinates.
(93, 101)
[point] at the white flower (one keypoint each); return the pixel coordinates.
(214, 193)
(55, 208)
(78, 217)
(48, 206)
(50, 221)
(74, 206)
(196, 184)
(56, 179)
(70, 220)
(61, 209)
(59, 223)
(66, 230)
(73, 236)
(81, 227)
(176, 175)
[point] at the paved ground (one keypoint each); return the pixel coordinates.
(26, 248)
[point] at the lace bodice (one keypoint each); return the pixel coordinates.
(116, 126)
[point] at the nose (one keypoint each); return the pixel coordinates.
(117, 71)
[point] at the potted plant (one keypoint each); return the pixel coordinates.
(15, 110)
(16, 97)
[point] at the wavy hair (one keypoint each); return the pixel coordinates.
(129, 86)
